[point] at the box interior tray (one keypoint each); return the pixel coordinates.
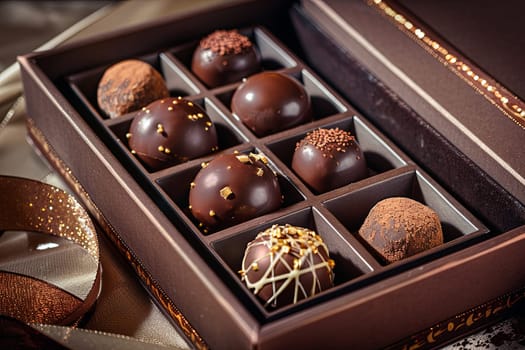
(336, 215)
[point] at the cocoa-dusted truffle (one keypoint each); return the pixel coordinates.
(397, 228)
(329, 158)
(224, 57)
(233, 188)
(171, 131)
(285, 264)
(128, 86)
(268, 102)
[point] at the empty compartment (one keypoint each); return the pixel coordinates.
(324, 103)
(85, 84)
(272, 54)
(458, 225)
(348, 263)
(379, 156)
(227, 134)
(177, 187)
(177, 79)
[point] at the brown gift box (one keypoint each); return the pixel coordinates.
(421, 301)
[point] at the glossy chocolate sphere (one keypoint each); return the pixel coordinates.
(269, 102)
(285, 264)
(233, 188)
(329, 158)
(171, 131)
(397, 228)
(224, 57)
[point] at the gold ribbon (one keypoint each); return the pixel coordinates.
(29, 205)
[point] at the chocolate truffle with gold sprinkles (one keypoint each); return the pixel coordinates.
(285, 264)
(129, 85)
(398, 227)
(223, 57)
(329, 158)
(171, 131)
(233, 188)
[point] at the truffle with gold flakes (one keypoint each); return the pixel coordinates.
(233, 188)
(171, 131)
(285, 264)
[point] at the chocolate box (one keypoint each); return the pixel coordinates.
(421, 301)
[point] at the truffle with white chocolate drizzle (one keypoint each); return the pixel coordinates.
(285, 264)
(171, 131)
(233, 188)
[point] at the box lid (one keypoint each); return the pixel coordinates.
(464, 81)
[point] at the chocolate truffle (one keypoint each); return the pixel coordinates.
(224, 57)
(171, 131)
(329, 158)
(268, 102)
(233, 188)
(397, 228)
(285, 264)
(128, 86)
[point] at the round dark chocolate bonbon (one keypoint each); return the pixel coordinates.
(223, 57)
(268, 102)
(233, 188)
(171, 131)
(128, 86)
(329, 158)
(397, 228)
(285, 264)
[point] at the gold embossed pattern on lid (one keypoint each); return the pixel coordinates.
(510, 105)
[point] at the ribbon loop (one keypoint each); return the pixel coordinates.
(30, 205)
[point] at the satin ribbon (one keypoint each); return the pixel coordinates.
(33, 206)
(18, 335)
